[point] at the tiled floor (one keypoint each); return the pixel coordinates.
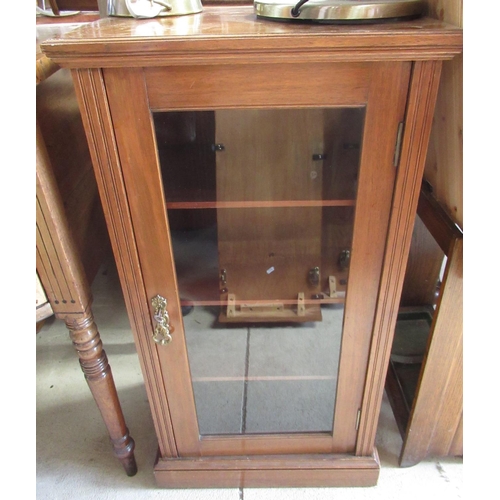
(263, 377)
(74, 457)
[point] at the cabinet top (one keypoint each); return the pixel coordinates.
(234, 34)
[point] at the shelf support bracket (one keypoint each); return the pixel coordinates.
(332, 286)
(231, 305)
(301, 307)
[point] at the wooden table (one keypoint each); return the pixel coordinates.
(71, 237)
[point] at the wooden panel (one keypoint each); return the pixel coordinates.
(249, 248)
(443, 435)
(57, 261)
(62, 131)
(438, 222)
(439, 430)
(267, 479)
(444, 165)
(422, 272)
(254, 472)
(86, 220)
(443, 170)
(88, 5)
(248, 86)
(431, 421)
(344, 129)
(279, 145)
(61, 126)
(279, 444)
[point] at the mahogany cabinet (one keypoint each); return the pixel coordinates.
(260, 182)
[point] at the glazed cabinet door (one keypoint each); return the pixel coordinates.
(260, 200)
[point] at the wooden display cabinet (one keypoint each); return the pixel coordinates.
(260, 183)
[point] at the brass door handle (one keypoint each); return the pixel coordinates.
(162, 332)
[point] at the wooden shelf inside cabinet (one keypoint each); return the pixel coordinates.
(192, 205)
(248, 168)
(430, 421)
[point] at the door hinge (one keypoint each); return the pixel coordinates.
(358, 418)
(399, 141)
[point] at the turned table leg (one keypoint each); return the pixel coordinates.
(94, 362)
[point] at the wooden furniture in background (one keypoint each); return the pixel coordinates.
(71, 240)
(429, 409)
(444, 163)
(226, 59)
(438, 433)
(67, 5)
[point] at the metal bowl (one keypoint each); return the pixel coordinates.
(339, 11)
(145, 9)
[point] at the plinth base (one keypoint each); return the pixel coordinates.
(284, 471)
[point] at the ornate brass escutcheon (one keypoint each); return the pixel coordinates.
(162, 333)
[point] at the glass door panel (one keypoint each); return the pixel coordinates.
(261, 208)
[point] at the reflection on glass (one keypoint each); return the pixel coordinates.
(261, 208)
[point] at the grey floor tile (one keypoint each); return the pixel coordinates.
(219, 407)
(310, 349)
(290, 406)
(214, 350)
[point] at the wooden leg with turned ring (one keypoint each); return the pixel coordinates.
(95, 366)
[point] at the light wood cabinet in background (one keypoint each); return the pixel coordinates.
(438, 393)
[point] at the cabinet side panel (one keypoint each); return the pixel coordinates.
(444, 164)
(91, 93)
